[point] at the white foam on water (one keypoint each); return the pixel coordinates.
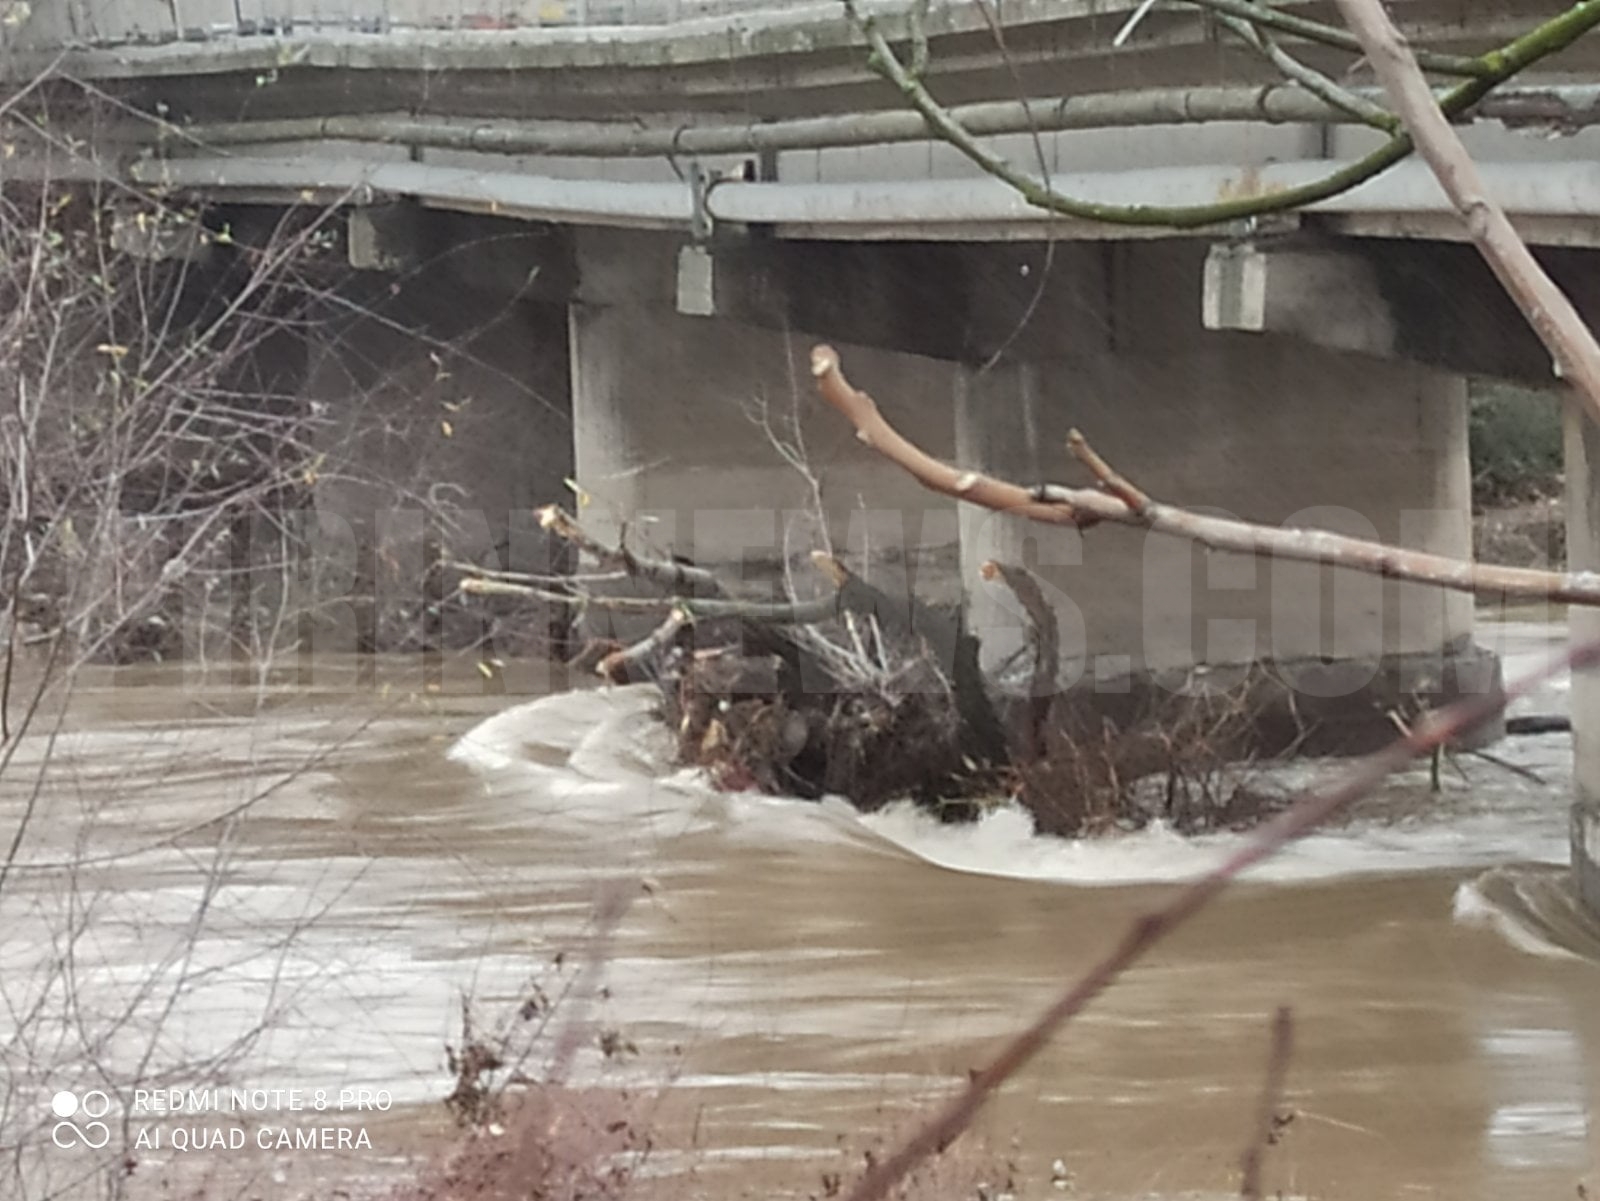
(598, 758)
(1004, 843)
(1472, 906)
(552, 728)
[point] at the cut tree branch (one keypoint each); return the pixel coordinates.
(684, 577)
(1546, 307)
(1119, 502)
(614, 667)
(873, 430)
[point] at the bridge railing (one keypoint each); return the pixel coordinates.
(48, 24)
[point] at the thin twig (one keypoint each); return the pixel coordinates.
(1516, 769)
(1267, 1107)
(1312, 80)
(669, 573)
(1267, 17)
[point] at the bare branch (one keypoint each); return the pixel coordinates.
(667, 572)
(1108, 477)
(1084, 507)
(695, 608)
(1312, 80)
(615, 666)
(1496, 67)
(874, 431)
(1546, 307)
(1267, 17)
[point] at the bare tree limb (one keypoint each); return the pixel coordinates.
(615, 666)
(873, 430)
(1315, 808)
(1109, 479)
(694, 608)
(1546, 307)
(1267, 17)
(1083, 507)
(668, 573)
(479, 586)
(1319, 85)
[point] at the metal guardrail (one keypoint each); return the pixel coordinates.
(51, 24)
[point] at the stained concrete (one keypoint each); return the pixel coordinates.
(699, 437)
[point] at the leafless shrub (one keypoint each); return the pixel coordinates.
(157, 465)
(526, 1129)
(1188, 758)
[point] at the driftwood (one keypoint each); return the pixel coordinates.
(1034, 735)
(1269, 1116)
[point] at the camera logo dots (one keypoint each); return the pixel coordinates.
(90, 1132)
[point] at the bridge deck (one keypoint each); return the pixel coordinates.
(594, 123)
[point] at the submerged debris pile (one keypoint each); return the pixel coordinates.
(878, 697)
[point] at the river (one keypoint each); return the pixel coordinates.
(293, 885)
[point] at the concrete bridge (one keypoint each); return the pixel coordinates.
(640, 213)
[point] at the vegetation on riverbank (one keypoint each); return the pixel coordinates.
(1519, 509)
(1515, 443)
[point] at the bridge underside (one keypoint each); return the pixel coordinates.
(693, 426)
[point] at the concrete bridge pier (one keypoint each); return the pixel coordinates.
(444, 421)
(1258, 428)
(686, 428)
(703, 437)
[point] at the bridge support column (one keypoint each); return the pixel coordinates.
(1583, 554)
(446, 425)
(1267, 430)
(697, 434)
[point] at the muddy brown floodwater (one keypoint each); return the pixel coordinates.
(788, 972)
